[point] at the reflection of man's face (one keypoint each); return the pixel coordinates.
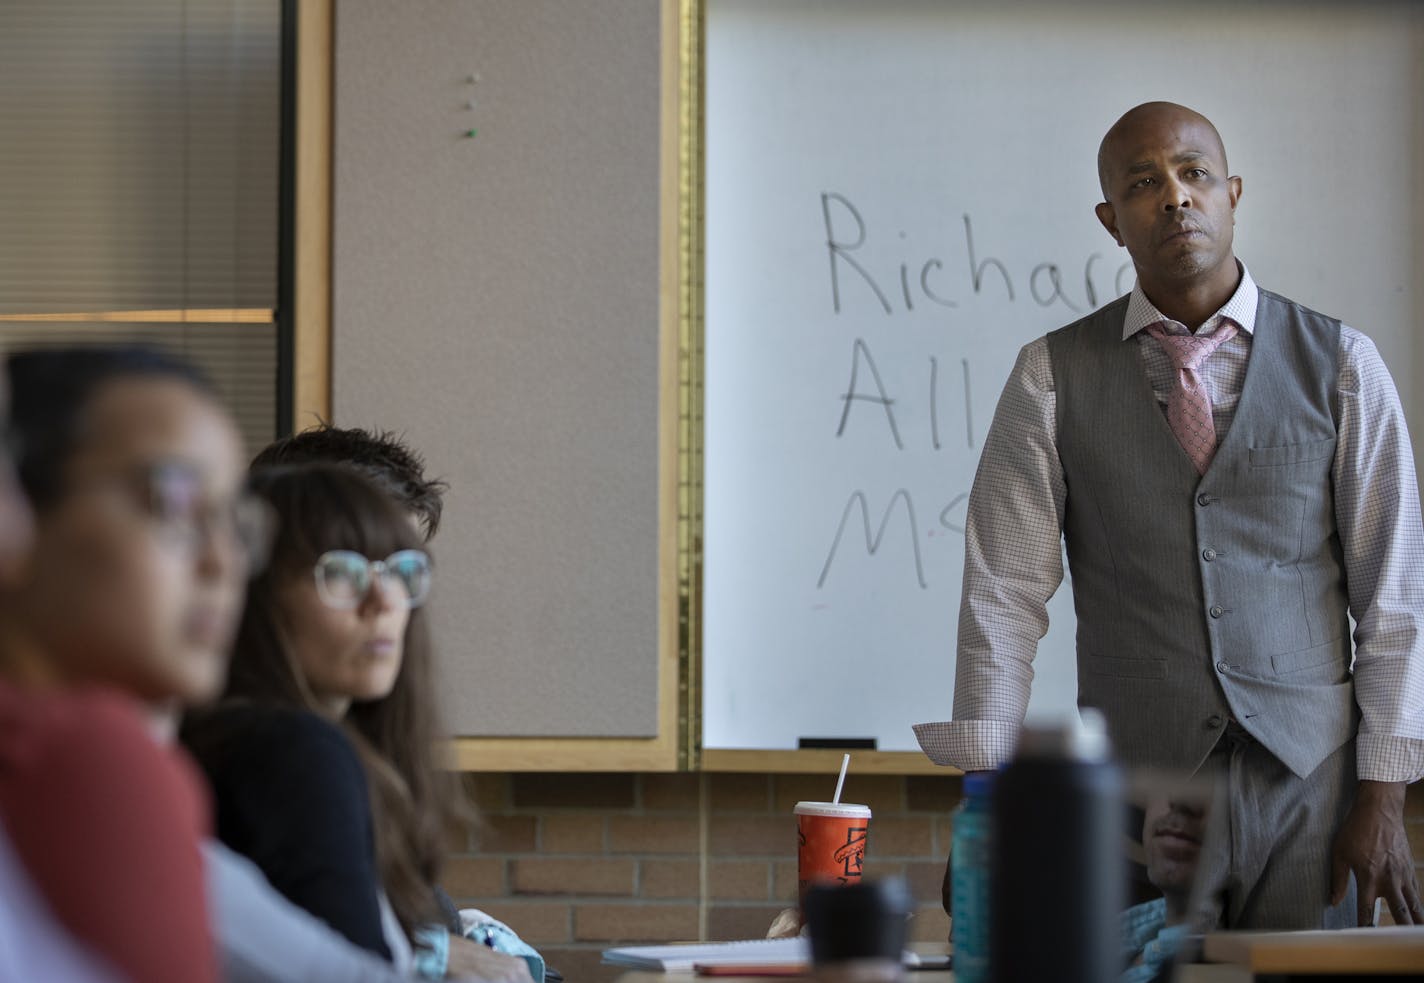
(1172, 838)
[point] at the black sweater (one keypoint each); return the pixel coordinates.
(290, 794)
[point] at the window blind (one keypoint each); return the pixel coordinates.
(139, 180)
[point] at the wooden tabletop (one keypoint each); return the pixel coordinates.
(1230, 957)
(1389, 949)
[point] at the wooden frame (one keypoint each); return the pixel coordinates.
(679, 248)
(819, 762)
(311, 343)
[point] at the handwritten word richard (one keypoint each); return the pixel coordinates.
(928, 281)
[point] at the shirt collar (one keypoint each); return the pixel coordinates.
(1241, 308)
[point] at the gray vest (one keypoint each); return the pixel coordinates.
(1224, 594)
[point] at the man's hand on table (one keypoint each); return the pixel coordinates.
(1372, 844)
(786, 924)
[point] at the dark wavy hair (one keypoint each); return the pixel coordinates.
(379, 454)
(50, 393)
(414, 800)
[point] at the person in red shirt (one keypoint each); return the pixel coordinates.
(123, 607)
(106, 824)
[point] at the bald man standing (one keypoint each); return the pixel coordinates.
(1233, 478)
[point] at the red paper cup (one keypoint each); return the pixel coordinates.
(831, 843)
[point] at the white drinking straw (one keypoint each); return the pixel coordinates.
(845, 763)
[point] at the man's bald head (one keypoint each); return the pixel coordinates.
(1169, 200)
(1128, 133)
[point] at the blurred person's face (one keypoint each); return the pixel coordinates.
(136, 576)
(1172, 834)
(345, 653)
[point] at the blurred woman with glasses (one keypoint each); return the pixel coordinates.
(122, 607)
(322, 755)
(128, 598)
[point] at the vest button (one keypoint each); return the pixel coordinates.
(1208, 554)
(1214, 721)
(1216, 612)
(1203, 499)
(1222, 667)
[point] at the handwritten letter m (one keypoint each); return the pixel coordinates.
(872, 543)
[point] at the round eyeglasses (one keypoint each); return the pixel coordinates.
(173, 495)
(345, 577)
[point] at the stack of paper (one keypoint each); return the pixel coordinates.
(761, 953)
(681, 958)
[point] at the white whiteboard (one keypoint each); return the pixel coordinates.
(910, 133)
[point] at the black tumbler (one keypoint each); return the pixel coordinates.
(859, 923)
(1059, 870)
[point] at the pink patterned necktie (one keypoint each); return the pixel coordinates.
(1189, 404)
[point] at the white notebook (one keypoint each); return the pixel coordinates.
(682, 957)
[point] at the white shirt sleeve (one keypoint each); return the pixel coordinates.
(1382, 541)
(264, 938)
(1013, 564)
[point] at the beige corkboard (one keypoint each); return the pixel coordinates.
(496, 298)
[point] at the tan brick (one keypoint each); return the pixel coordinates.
(901, 836)
(739, 793)
(787, 790)
(551, 875)
(458, 838)
(583, 964)
(930, 924)
(538, 790)
(566, 833)
(473, 877)
(784, 885)
(506, 834)
(669, 879)
(925, 881)
(879, 869)
(726, 921)
(671, 793)
(535, 921)
(933, 793)
(650, 922)
(650, 834)
(489, 793)
(885, 794)
(733, 836)
(738, 881)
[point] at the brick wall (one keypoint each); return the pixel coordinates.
(578, 862)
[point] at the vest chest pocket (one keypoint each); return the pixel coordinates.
(1277, 457)
(1329, 662)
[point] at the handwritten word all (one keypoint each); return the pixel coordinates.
(872, 391)
(930, 282)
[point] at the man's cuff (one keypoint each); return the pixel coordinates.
(1389, 759)
(969, 745)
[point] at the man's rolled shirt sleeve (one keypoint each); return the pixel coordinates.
(1013, 564)
(1382, 542)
